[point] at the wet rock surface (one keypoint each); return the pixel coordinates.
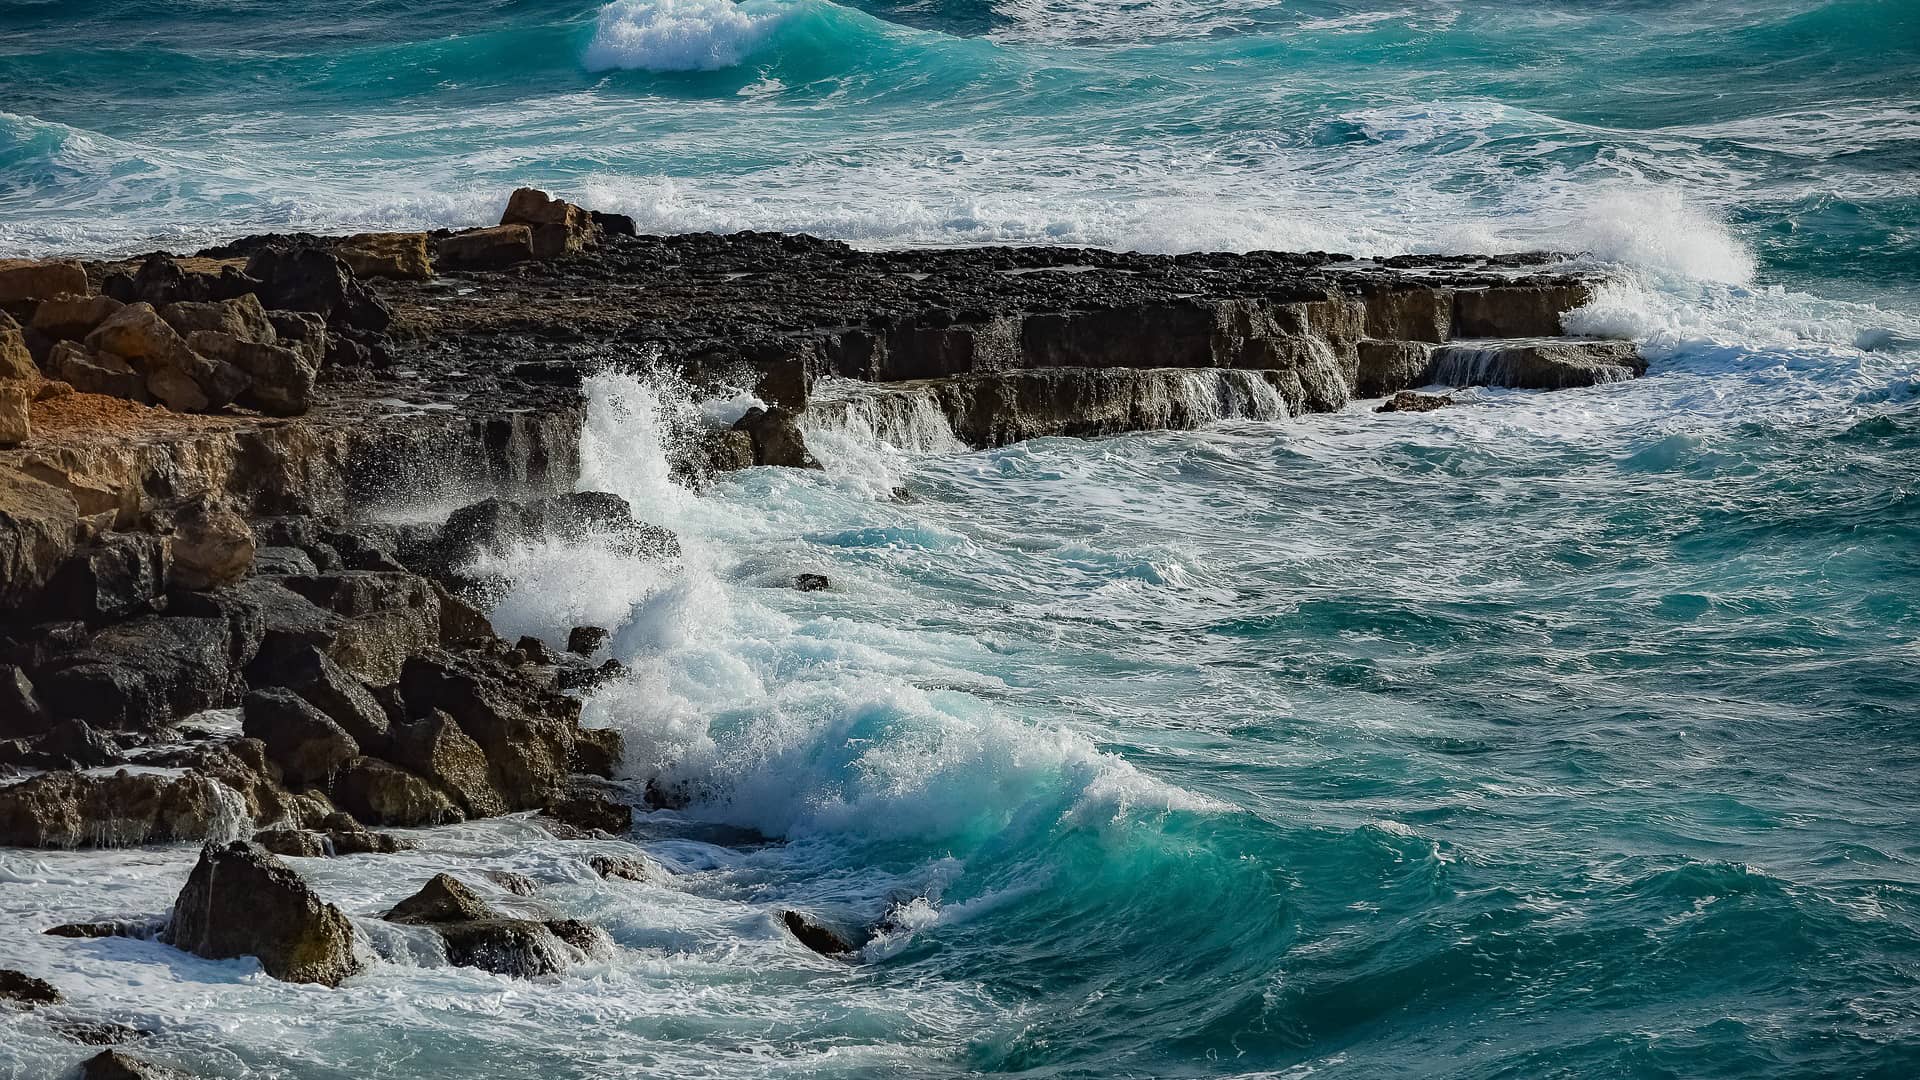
(242, 901)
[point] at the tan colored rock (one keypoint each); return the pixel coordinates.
(280, 381)
(72, 318)
(97, 373)
(16, 411)
(38, 523)
(485, 249)
(178, 377)
(558, 227)
(242, 317)
(387, 255)
(211, 547)
(15, 361)
(41, 279)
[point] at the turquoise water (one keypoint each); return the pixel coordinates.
(1561, 735)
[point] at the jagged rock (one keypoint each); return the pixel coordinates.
(212, 546)
(387, 616)
(402, 256)
(709, 452)
(537, 651)
(279, 380)
(590, 810)
(105, 928)
(116, 576)
(27, 990)
(98, 1032)
(527, 733)
(162, 279)
(16, 412)
(494, 524)
(517, 884)
(815, 934)
(558, 228)
(484, 249)
(303, 332)
(114, 1065)
(292, 843)
(614, 224)
(598, 751)
(41, 279)
(476, 935)
(97, 373)
(443, 899)
(311, 279)
(16, 359)
(379, 793)
(586, 640)
(586, 678)
(585, 937)
(307, 745)
(328, 687)
(461, 624)
(37, 526)
(1537, 365)
(626, 868)
(242, 901)
(175, 375)
(362, 841)
(241, 318)
(72, 318)
(21, 714)
(810, 582)
(436, 748)
(276, 561)
(776, 438)
(68, 810)
(71, 743)
(143, 673)
(1408, 401)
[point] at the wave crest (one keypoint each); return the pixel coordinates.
(678, 35)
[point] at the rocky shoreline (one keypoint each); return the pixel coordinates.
(208, 634)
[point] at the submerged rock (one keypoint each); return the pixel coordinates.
(1537, 365)
(114, 1065)
(242, 901)
(1408, 401)
(816, 935)
(477, 936)
(810, 582)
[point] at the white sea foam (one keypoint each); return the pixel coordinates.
(679, 35)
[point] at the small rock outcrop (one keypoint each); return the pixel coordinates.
(776, 438)
(401, 256)
(479, 937)
(557, 227)
(114, 1065)
(484, 249)
(815, 935)
(242, 901)
(811, 582)
(24, 989)
(1409, 401)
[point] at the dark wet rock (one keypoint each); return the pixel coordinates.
(107, 928)
(241, 767)
(18, 986)
(114, 1065)
(816, 935)
(537, 651)
(599, 751)
(381, 793)
(1537, 365)
(292, 843)
(1388, 366)
(1408, 401)
(118, 575)
(477, 936)
(526, 732)
(587, 640)
(282, 562)
(626, 868)
(776, 438)
(144, 673)
(437, 748)
(71, 743)
(810, 582)
(362, 841)
(307, 744)
(517, 884)
(590, 940)
(242, 901)
(1516, 311)
(97, 1032)
(588, 678)
(21, 714)
(385, 617)
(590, 810)
(614, 224)
(212, 546)
(495, 524)
(462, 625)
(484, 249)
(310, 279)
(162, 279)
(303, 332)
(443, 899)
(328, 687)
(69, 810)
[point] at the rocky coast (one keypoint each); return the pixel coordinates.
(245, 495)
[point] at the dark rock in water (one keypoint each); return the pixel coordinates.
(437, 748)
(537, 651)
(310, 279)
(810, 582)
(68, 810)
(309, 746)
(776, 438)
(626, 868)
(526, 731)
(324, 684)
(362, 841)
(1537, 365)
(142, 674)
(614, 224)
(587, 809)
(292, 843)
(113, 1065)
(27, 990)
(517, 884)
(379, 793)
(1408, 401)
(97, 1032)
(443, 899)
(1386, 367)
(494, 524)
(107, 928)
(21, 713)
(586, 678)
(587, 938)
(118, 575)
(242, 901)
(667, 796)
(1516, 311)
(586, 640)
(599, 751)
(815, 934)
(70, 743)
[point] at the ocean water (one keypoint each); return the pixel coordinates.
(1553, 735)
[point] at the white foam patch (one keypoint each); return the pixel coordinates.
(678, 35)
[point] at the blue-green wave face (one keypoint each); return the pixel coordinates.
(1566, 735)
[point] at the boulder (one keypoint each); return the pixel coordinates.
(41, 279)
(776, 438)
(626, 868)
(598, 751)
(811, 582)
(144, 673)
(526, 732)
(359, 840)
(590, 810)
(1389, 366)
(387, 255)
(242, 901)
(1408, 401)
(162, 279)
(379, 793)
(21, 714)
(439, 750)
(23, 988)
(307, 745)
(495, 524)
(558, 227)
(69, 810)
(97, 373)
(114, 1065)
(312, 279)
(38, 524)
(72, 744)
(484, 249)
(16, 412)
(816, 935)
(16, 360)
(241, 318)
(72, 318)
(442, 899)
(292, 843)
(280, 380)
(587, 640)
(212, 546)
(327, 686)
(1516, 311)
(117, 576)
(303, 332)
(175, 375)
(476, 936)
(614, 224)
(386, 616)
(517, 884)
